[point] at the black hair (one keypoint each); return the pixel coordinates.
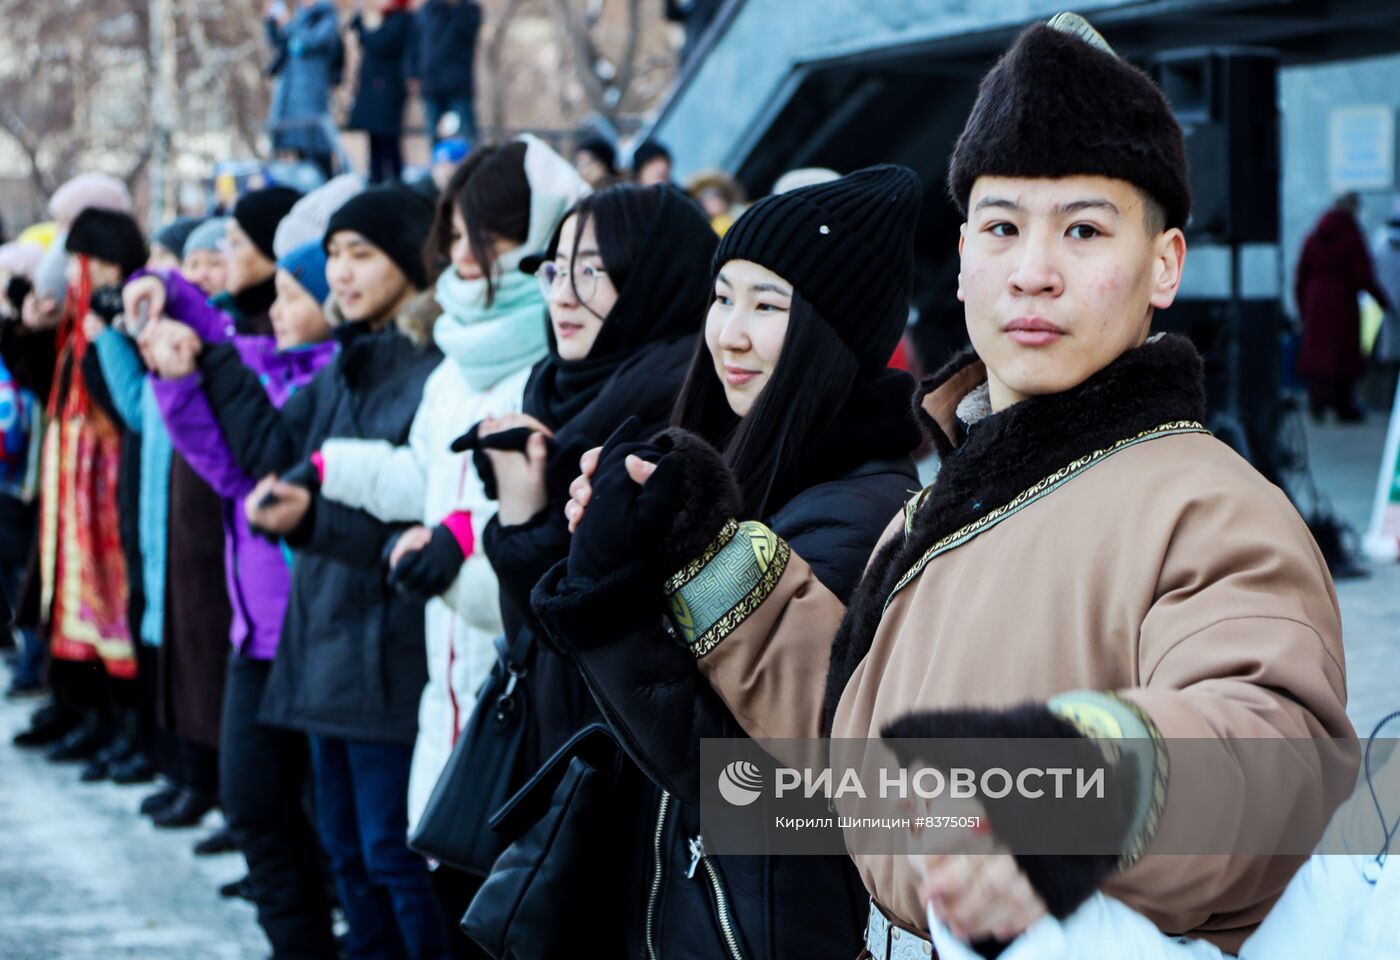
(620, 215)
(1154, 215)
(601, 150)
(492, 192)
(810, 383)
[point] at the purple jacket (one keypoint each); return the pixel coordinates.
(257, 573)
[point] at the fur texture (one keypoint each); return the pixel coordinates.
(1056, 106)
(707, 497)
(1063, 881)
(415, 321)
(1010, 451)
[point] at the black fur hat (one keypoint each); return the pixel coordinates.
(1060, 105)
(108, 235)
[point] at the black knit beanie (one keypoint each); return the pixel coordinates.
(846, 246)
(1058, 105)
(259, 213)
(393, 218)
(108, 235)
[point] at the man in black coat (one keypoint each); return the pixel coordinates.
(351, 663)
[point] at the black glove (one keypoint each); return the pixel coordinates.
(512, 440)
(305, 475)
(624, 522)
(981, 739)
(429, 572)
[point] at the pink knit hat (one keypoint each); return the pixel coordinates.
(89, 190)
(20, 259)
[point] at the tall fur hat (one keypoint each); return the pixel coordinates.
(1061, 103)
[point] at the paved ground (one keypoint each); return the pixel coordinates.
(82, 876)
(1345, 463)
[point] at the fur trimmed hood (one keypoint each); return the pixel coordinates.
(988, 464)
(415, 321)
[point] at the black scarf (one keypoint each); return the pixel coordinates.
(662, 300)
(1009, 452)
(251, 308)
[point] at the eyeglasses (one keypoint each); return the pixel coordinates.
(585, 278)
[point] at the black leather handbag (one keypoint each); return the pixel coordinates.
(489, 761)
(556, 887)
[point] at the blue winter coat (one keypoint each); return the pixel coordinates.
(380, 95)
(442, 55)
(135, 403)
(306, 59)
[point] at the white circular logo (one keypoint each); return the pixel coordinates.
(740, 783)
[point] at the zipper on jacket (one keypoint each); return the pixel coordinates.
(727, 926)
(662, 806)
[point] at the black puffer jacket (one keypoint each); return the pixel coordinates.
(660, 707)
(351, 660)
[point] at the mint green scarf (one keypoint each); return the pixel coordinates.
(490, 343)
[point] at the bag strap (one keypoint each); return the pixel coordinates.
(516, 653)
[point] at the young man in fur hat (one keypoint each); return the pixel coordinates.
(1090, 561)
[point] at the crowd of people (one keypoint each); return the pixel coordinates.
(428, 52)
(325, 491)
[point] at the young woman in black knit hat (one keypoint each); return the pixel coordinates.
(790, 384)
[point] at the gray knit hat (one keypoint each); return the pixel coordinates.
(307, 219)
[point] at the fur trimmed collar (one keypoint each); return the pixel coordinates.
(416, 320)
(1007, 453)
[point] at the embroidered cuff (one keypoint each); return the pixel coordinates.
(712, 595)
(459, 524)
(1104, 716)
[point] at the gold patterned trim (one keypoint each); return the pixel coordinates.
(692, 569)
(747, 604)
(1026, 497)
(1161, 773)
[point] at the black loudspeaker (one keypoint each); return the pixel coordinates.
(1242, 372)
(1226, 100)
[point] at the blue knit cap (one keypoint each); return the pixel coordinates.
(307, 264)
(209, 235)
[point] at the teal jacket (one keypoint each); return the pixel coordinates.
(136, 404)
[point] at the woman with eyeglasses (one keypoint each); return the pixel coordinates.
(501, 203)
(625, 276)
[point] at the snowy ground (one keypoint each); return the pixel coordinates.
(83, 876)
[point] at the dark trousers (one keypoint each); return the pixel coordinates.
(385, 158)
(262, 773)
(435, 105)
(362, 810)
(1339, 393)
(29, 669)
(199, 768)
